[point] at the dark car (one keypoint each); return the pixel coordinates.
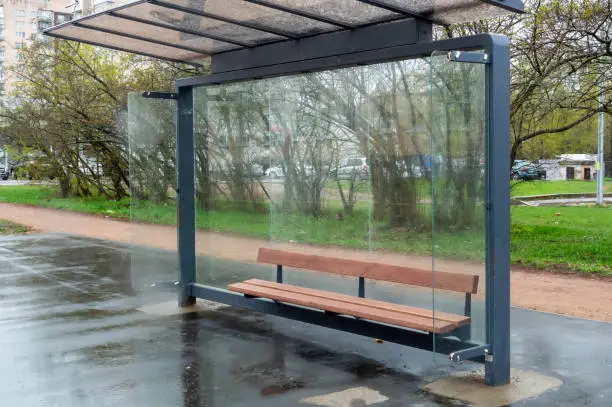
(525, 170)
(4, 173)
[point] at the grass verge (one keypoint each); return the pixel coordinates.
(10, 228)
(526, 188)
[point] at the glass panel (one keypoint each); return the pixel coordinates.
(351, 145)
(323, 199)
(401, 193)
(348, 11)
(259, 15)
(151, 130)
(94, 37)
(450, 11)
(195, 42)
(344, 157)
(381, 163)
(231, 129)
(458, 140)
(163, 15)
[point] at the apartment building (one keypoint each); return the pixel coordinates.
(87, 7)
(22, 21)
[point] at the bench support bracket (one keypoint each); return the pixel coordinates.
(171, 286)
(160, 95)
(388, 333)
(477, 352)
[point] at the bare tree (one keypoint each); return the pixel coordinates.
(561, 52)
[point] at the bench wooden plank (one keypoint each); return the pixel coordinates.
(376, 271)
(419, 312)
(340, 307)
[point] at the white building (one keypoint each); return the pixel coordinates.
(570, 167)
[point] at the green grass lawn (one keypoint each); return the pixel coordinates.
(525, 188)
(578, 239)
(10, 228)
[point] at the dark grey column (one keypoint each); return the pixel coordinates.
(497, 366)
(186, 195)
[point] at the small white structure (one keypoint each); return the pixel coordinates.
(570, 167)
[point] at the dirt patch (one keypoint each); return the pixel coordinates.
(581, 295)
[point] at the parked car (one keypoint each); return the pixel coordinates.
(4, 173)
(524, 170)
(275, 172)
(300, 169)
(257, 170)
(353, 167)
(412, 171)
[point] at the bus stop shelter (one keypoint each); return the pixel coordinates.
(253, 42)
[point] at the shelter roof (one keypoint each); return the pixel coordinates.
(190, 30)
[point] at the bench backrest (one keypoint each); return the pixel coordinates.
(463, 283)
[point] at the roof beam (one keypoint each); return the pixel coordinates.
(382, 36)
(303, 13)
(205, 53)
(247, 24)
(516, 6)
(97, 44)
(403, 11)
(180, 29)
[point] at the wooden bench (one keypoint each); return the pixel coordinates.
(359, 306)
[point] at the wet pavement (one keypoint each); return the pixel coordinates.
(71, 335)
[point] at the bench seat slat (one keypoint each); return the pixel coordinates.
(465, 283)
(419, 312)
(357, 308)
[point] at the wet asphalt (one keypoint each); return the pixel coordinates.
(71, 335)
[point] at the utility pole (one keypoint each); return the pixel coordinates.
(600, 149)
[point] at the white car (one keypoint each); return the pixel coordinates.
(275, 172)
(415, 170)
(257, 170)
(278, 171)
(353, 167)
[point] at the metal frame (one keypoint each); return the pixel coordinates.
(334, 45)
(497, 368)
(311, 55)
(185, 154)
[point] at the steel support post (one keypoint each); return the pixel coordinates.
(186, 195)
(497, 365)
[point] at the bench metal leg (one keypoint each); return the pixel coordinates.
(465, 332)
(361, 287)
(279, 273)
